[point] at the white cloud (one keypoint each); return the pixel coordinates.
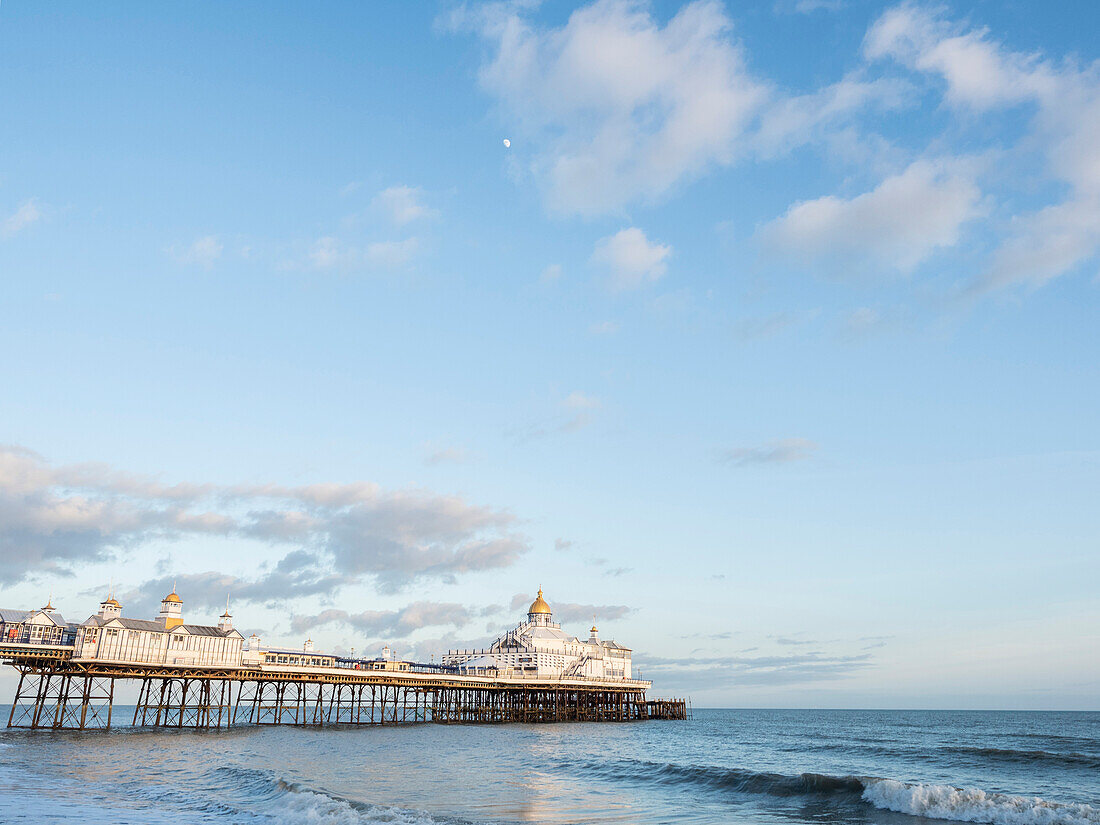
(631, 259)
(897, 225)
(1046, 244)
(27, 213)
(392, 253)
(799, 119)
(577, 400)
(447, 455)
(410, 618)
(807, 6)
(783, 451)
(325, 253)
(329, 252)
(402, 204)
(617, 105)
(53, 519)
(551, 273)
(604, 328)
(201, 252)
(978, 72)
(982, 75)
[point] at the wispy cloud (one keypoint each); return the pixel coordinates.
(577, 410)
(402, 204)
(27, 213)
(410, 618)
(330, 252)
(783, 451)
(202, 251)
(447, 455)
(768, 326)
(731, 671)
(808, 6)
(565, 612)
(604, 328)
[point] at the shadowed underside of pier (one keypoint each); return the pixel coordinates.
(63, 695)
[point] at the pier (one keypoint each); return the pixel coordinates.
(205, 677)
(55, 692)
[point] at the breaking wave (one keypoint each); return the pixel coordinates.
(974, 805)
(260, 796)
(302, 806)
(924, 800)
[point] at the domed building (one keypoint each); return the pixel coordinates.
(539, 648)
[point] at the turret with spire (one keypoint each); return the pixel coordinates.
(109, 608)
(226, 623)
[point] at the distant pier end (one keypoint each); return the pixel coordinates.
(207, 676)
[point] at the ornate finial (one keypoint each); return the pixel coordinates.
(226, 614)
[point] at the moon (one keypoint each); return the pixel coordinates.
(507, 143)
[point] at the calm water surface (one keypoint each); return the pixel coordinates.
(745, 766)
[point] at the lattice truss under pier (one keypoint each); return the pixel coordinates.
(184, 703)
(62, 701)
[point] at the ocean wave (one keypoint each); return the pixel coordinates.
(1071, 759)
(277, 800)
(737, 780)
(238, 794)
(924, 800)
(302, 806)
(974, 805)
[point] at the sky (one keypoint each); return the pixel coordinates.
(764, 334)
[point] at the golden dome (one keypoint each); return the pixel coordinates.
(172, 597)
(112, 602)
(539, 605)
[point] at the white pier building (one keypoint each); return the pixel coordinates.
(108, 637)
(539, 647)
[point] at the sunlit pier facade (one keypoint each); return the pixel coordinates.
(200, 676)
(539, 647)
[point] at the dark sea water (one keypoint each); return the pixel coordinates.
(744, 766)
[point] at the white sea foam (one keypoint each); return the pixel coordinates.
(974, 805)
(303, 807)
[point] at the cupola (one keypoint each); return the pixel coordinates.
(109, 608)
(171, 610)
(539, 611)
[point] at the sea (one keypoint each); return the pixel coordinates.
(781, 767)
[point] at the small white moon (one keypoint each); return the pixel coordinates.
(507, 143)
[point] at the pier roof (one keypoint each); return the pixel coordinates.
(153, 626)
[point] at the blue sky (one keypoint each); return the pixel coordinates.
(770, 339)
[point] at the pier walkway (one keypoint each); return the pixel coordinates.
(58, 691)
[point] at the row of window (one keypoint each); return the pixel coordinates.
(304, 661)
